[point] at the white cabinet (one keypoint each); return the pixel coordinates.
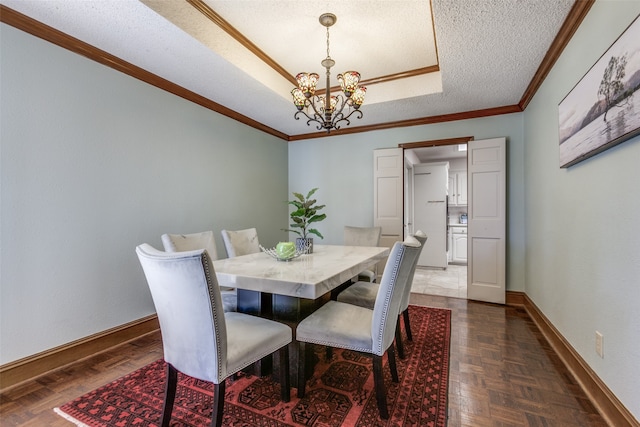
(457, 188)
(459, 248)
(451, 189)
(459, 244)
(461, 185)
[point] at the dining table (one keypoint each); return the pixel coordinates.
(289, 291)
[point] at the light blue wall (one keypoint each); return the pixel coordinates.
(342, 167)
(583, 249)
(93, 163)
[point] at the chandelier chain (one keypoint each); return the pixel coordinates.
(328, 56)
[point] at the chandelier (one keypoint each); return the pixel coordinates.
(328, 111)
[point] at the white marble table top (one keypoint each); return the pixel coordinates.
(308, 276)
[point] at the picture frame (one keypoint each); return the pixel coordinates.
(603, 108)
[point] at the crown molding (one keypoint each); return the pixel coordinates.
(50, 34)
(508, 109)
(571, 23)
(40, 30)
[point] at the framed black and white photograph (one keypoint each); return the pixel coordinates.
(603, 108)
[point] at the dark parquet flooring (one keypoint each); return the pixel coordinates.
(502, 373)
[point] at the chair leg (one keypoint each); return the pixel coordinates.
(170, 386)
(407, 324)
(285, 387)
(391, 355)
(399, 340)
(381, 393)
(301, 369)
(218, 404)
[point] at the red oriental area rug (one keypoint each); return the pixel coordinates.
(340, 393)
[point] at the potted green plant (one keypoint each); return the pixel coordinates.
(305, 213)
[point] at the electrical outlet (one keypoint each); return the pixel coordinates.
(600, 344)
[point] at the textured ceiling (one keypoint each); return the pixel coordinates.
(488, 51)
(354, 46)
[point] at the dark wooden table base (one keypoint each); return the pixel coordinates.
(284, 309)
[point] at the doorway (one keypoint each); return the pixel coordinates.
(486, 180)
(448, 278)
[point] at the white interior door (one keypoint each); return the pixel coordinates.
(388, 169)
(486, 168)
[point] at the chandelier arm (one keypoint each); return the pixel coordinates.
(336, 124)
(313, 101)
(343, 103)
(310, 119)
(337, 115)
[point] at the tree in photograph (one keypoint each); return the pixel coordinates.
(611, 85)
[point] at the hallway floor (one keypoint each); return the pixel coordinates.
(451, 282)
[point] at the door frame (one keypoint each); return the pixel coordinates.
(426, 144)
(482, 296)
(437, 142)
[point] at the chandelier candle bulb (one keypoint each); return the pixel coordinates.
(327, 110)
(349, 82)
(358, 97)
(307, 83)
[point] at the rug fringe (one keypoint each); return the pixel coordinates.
(69, 418)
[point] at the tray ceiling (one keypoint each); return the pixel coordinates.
(419, 59)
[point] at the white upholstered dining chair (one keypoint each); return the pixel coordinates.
(199, 339)
(404, 305)
(364, 294)
(202, 240)
(347, 326)
(189, 242)
(241, 242)
(363, 236)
